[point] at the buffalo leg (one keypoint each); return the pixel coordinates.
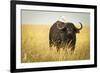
(50, 44)
(72, 50)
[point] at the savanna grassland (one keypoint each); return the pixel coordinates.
(35, 45)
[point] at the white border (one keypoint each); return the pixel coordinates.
(20, 65)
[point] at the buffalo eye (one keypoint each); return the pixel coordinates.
(70, 29)
(64, 29)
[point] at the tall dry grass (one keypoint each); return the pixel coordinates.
(35, 45)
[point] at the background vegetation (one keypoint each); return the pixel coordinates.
(35, 45)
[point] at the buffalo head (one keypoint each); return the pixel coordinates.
(69, 28)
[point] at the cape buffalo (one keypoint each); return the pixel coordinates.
(62, 34)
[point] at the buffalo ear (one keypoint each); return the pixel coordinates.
(60, 25)
(77, 31)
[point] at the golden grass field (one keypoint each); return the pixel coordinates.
(35, 45)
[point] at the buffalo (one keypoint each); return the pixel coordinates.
(62, 35)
